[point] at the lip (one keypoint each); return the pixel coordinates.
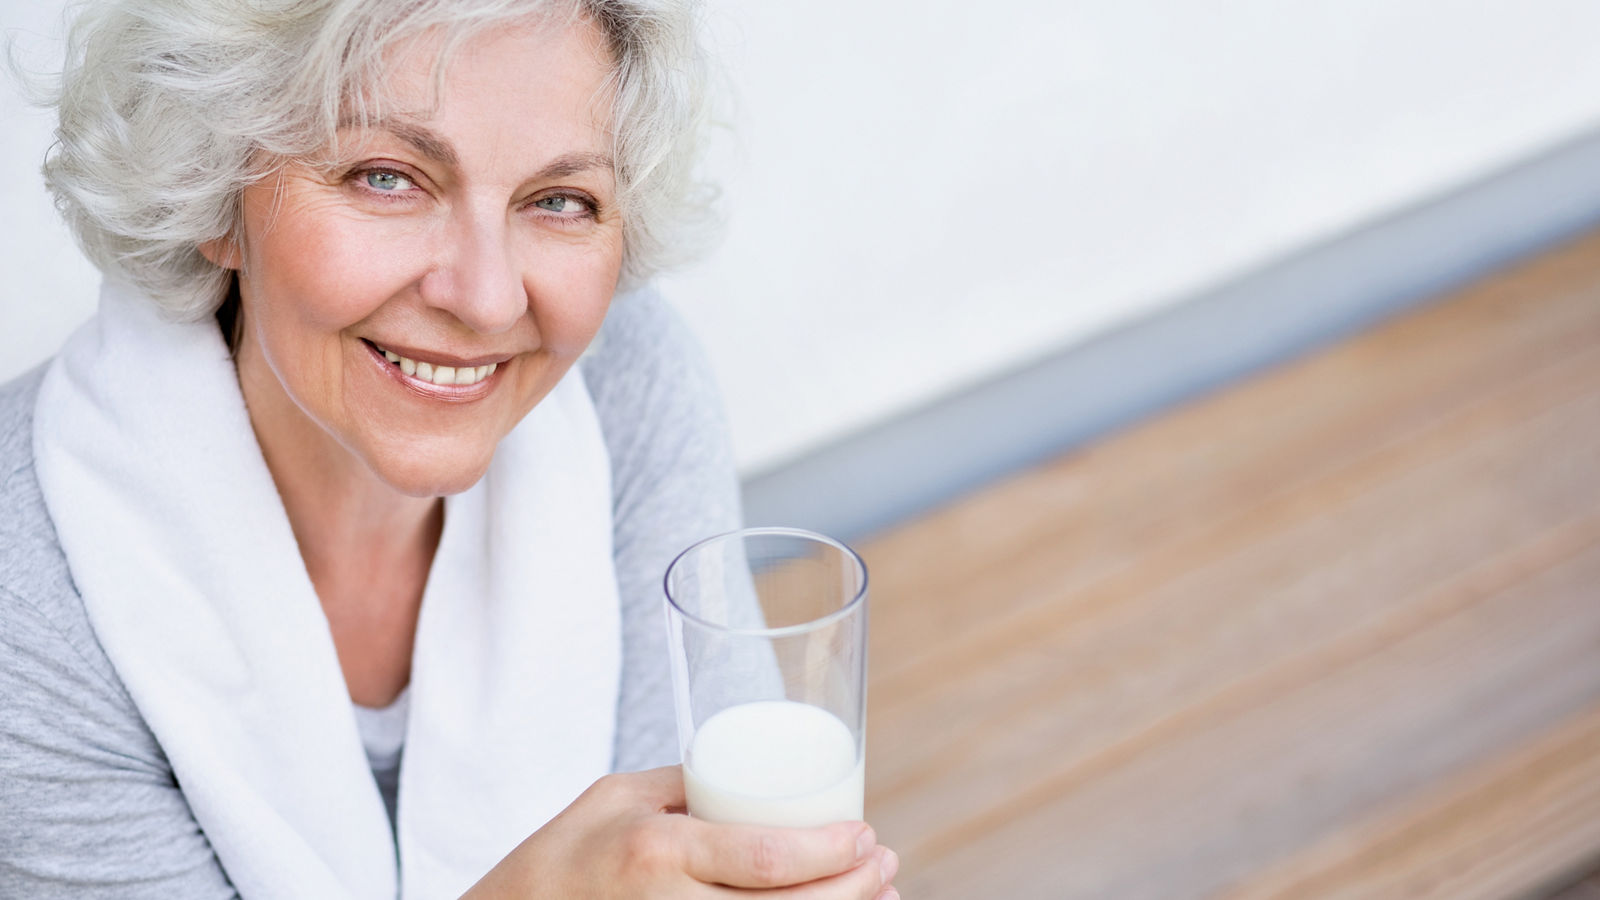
(454, 393)
(436, 359)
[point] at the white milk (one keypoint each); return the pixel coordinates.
(774, 762)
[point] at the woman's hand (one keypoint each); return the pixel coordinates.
(626, 837)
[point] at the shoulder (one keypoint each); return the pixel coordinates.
(34, 566)
(652, 384)
(16, 422)
(672, 465)
(646, 352)
(51, 648)
(47, 635)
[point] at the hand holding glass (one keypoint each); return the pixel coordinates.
(768, 636)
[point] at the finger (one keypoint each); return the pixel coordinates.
(664, 786)
(867, 881)
(747, 856)
(658, 790)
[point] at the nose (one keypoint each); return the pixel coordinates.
(477, 277)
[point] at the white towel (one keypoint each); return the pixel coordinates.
(180, 546)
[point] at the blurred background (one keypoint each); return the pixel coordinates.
(987, 266)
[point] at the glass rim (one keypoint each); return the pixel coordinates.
(784, 630)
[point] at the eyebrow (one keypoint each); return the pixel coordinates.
(569, 164)
(427, 141)
(437, 148)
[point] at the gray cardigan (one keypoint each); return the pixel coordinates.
(89, 806)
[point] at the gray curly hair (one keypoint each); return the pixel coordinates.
(165, 105)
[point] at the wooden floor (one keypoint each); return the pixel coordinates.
(1333, 632)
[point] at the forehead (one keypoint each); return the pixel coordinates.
(533, 88)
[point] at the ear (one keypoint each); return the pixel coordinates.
(222, 252)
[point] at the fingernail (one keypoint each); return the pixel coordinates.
(865, 843)
(889, 894)
(888, 864)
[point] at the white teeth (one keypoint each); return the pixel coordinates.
(454, 376)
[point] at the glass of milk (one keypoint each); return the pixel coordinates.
(767, 629)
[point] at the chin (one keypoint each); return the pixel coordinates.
(431, 474)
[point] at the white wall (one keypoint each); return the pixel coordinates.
(926, 193)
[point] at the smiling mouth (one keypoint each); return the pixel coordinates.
(444, 376)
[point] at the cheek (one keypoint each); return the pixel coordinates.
(571, 294)
(310, 274)
(315, 269)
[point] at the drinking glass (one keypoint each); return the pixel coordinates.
(767, 629)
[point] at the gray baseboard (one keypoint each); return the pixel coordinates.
(920, 459)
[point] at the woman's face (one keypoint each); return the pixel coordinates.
(408, 307)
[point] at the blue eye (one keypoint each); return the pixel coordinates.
(387, 182)
(559, 203)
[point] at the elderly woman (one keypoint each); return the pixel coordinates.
(331, 557)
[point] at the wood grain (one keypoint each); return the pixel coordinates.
(1332, 632)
